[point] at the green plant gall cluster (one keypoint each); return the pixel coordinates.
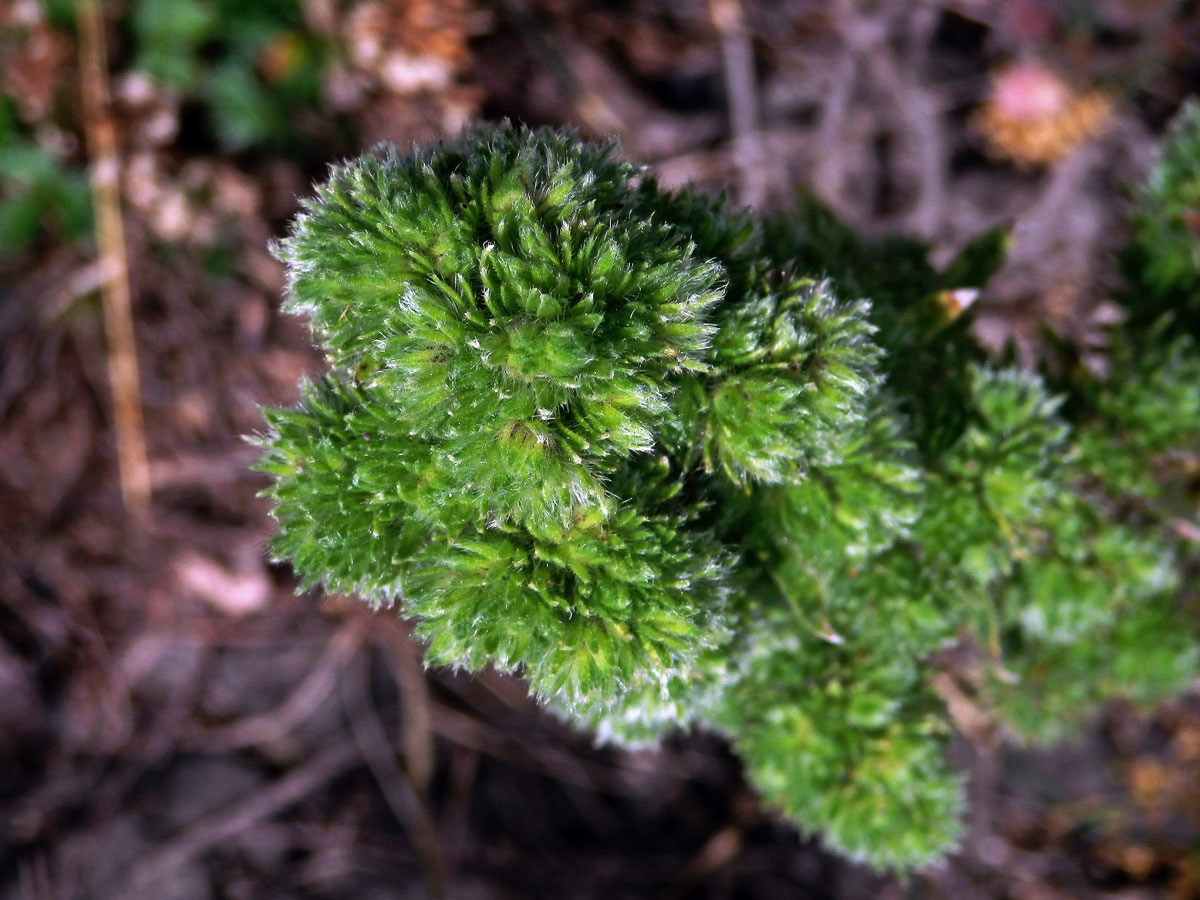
(675, 465)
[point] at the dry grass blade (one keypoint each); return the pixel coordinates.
(114, 263)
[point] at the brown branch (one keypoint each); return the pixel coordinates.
(395, 784)
(741, 90)
(231, 820)
(273, 725)
(915, 111)
(33, 878)
(831, 162)
(403, 657)
(105, 170)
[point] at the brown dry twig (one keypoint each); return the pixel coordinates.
(403, 658)
(230, 821)
(397, 787)
(741, 88)
(33, 879)
(114, 263)
(914, 113)
(308, 695)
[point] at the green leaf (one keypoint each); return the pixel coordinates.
(243, 111)
(169, 37)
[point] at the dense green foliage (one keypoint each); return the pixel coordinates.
(248, 66)
(1164, 259)
(39, 192)
(241, 72)
(675, 465)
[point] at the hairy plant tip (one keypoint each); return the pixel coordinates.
(505, 320)
(798, 369)
(621, 605)
(519, 311)
(341, 490)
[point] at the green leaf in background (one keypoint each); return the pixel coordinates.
(38, 195)
(250, 64)
(243, 111)
(169, 35)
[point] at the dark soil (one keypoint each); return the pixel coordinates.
(177, 723)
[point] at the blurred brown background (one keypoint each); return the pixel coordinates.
(176, 723)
